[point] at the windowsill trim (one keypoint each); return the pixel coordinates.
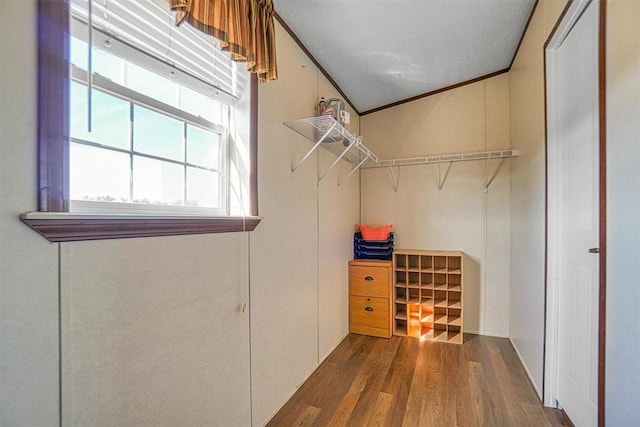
(69, 226)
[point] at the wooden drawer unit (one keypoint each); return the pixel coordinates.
(370, 281)
(370, 303)
(369, 311)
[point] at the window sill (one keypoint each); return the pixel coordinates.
(69, 227)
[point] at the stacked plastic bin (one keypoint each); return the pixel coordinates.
(372, 249)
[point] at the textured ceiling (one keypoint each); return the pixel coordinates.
(381, 52)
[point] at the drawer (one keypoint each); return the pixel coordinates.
(369, 281)
(369, 312)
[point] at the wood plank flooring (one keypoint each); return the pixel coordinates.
(369, 381)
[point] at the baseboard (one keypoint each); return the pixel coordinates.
(335, 345)
(524, 365)
(487, 334)
(303, 381)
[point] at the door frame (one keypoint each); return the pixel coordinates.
(570, 15)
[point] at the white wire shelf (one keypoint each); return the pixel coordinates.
(444, 158)
(326, 132)
(336, 140)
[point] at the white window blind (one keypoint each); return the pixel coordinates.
(137, 29)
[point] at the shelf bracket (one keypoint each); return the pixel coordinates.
(442, 179)
(314, 148)
(353, 170)
(489, 178)
(335, 162)
(394, 177)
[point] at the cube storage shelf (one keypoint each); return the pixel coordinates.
(427, 288)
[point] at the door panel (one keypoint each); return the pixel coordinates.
(578, 223)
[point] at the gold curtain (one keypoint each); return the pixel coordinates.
(244, 28)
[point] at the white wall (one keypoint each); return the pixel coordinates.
(462, 216)
(623, 213)
(299, 252)
(284, 256)
(528, 192)
(152, 329)
(339, 212)
(28, 263)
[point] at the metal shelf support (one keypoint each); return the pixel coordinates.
(314, 148)
(395, 177)
(335, 162)
(488, 178)
(352, 171)
(442, 179)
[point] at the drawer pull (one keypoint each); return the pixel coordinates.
(368, 278)
(368, 308)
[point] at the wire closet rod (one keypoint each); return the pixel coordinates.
(445, 158)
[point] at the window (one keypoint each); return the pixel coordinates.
(154, 140)
(143, 151)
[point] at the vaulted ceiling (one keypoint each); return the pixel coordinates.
(382, 52)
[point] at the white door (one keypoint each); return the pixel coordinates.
(574, 205)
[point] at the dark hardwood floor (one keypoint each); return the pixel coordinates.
(370, 381)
